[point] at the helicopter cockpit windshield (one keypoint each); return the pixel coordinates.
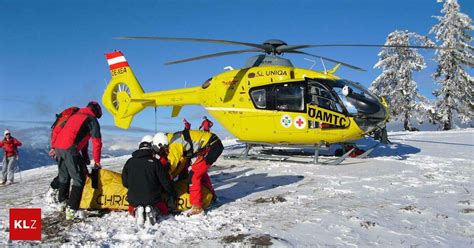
(344, 96)
(365, 103)
(349, 98)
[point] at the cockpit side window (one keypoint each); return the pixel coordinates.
(321, 96)
(259, 98)
(290, 97)
(284, 96)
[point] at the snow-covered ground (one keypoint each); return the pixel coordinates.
(417, 191)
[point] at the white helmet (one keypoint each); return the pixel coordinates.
(160, 139)
(147, 138)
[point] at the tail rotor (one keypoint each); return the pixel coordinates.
(120, 88)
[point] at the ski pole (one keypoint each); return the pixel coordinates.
(19, 169)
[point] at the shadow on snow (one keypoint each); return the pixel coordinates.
(233, 186)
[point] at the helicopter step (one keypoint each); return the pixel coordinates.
(305, 152)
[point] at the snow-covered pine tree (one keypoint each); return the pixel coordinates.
(455, 94)
(396, 83)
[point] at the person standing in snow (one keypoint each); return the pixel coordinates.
(10, 157)
(206, 124)
(146, 178)
(74, 138)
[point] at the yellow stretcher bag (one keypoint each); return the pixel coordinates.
(111, 194)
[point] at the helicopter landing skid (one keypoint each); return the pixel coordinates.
(248, 146)
(369, 151)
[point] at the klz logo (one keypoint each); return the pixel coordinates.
(25, 223)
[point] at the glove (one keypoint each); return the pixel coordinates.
(95, 177)
(97, 165)
(171, 202)
(87, 161)
(52, 153)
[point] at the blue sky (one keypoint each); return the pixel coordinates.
(52, 52)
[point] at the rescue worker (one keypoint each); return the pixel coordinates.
(10, 157)
(206, 124)
(51, 195)
(206, 147)
(74, 138)
(146, 178)
(187, 125)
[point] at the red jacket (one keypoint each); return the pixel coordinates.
(79, 128)
(54, 135)
(206, 125)
(10, 146)
(187, 125)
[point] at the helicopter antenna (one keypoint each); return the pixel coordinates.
(155, 121)
(185, 83)
(314, 62)
(324, 66)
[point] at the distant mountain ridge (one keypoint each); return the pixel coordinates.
(34, 151)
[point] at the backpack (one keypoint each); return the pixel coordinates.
(62, 118)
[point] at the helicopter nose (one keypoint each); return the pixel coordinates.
(371, 113)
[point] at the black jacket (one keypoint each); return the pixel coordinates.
(145, 179)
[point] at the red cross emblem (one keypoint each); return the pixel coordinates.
(300, 122)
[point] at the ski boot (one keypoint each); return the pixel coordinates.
(140, 216)
(195, 210)
(151, 215)
(70, 213)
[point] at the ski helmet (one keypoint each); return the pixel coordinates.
(147, 138)
(145, 145)
(159, 140)
(95, 108)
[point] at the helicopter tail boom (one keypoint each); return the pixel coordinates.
(123, 95)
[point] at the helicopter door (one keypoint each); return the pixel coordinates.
(321, 95)
(290, 107)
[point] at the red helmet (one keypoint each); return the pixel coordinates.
(95, 108)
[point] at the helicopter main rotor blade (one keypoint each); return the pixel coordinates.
(229, 42)
(375, 45)
(284, 48)
(328, 59)
(213, 55)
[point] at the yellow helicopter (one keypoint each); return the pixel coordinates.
(269, 101)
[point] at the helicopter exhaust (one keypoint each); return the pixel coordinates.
(122, 96)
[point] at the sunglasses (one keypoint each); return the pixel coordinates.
(7, 134)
